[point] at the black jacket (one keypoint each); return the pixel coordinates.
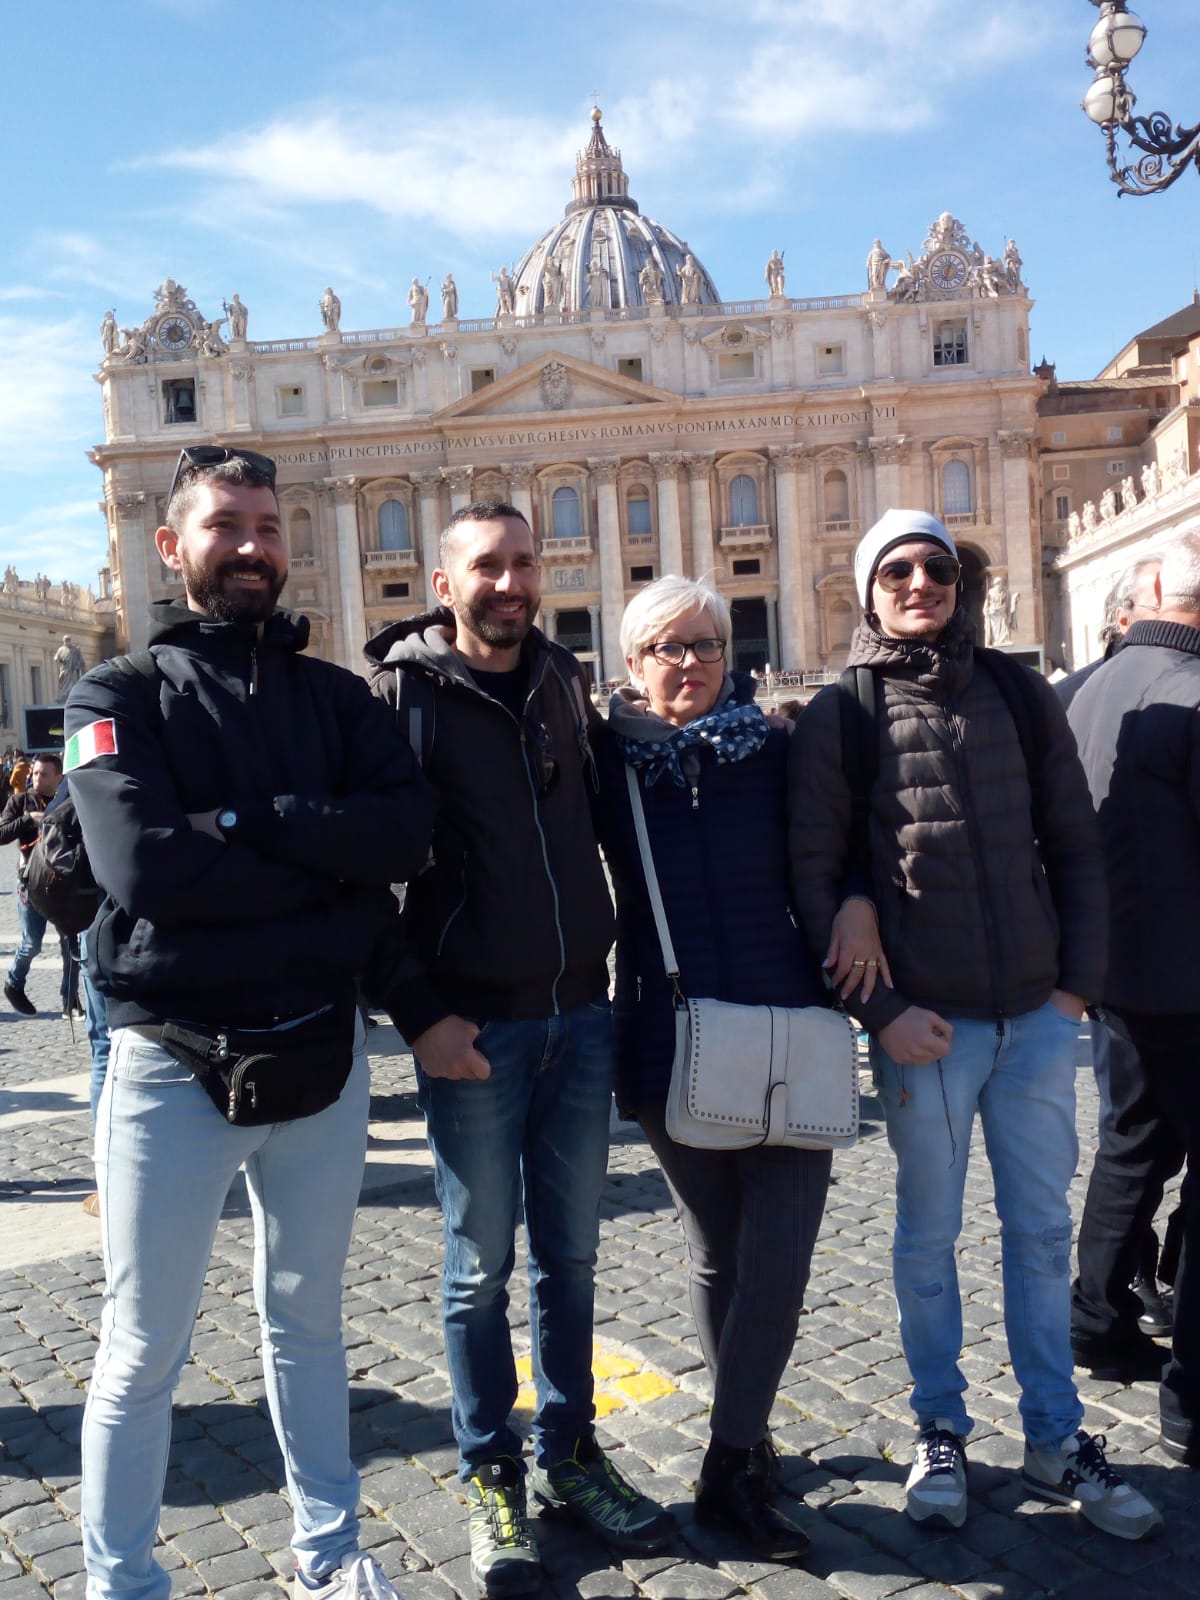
(721, 864)
(1138, 724)
(978, 918)
(331, 806)
(513, 919)
(17, 825)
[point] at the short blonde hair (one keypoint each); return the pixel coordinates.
(661, 602)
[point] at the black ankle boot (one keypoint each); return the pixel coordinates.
(731, 1495)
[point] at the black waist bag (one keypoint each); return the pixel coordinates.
(254, 1076)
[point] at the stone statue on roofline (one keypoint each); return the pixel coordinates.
(879, 264)
(418, 300)
(331, 311)
(774, 274)
(449, 299)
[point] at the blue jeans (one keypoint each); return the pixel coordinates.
(1022, 1083)
(95, 1009)
(536, 1132)
(33, 933)
(165, 1158)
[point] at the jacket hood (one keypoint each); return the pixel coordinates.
(944, 663)
(172, 621)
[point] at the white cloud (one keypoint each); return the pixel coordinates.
(63, 540)
(48, 402)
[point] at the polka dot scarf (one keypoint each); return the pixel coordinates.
(731, 732)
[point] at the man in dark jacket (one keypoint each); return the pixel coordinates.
(995, 939)
(245, 808)
(1138, 725)
(503, 996)
(21, 823)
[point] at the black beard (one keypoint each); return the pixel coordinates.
(477, 620)
(205, 589)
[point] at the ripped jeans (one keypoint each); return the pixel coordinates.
(1022, 1083)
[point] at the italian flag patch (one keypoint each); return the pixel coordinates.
(97, 739)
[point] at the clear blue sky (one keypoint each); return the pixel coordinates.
(274, 148)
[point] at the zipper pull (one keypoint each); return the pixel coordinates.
(253, 669)
(695, 798)
(222, 1047)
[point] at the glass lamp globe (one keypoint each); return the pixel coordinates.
(1116, 39)
(1102, 99)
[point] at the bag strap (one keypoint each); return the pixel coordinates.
(860, 756)
(422, 713)
(670, 964)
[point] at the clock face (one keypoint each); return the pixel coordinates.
(948, 270)
(174, 332)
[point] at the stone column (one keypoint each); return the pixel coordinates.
(459, 479)
(520, 487)
(877, 322)
(890, 452)
(549, 623)
(241, 378)
(135, 543)
(612, 569)
(429, 513)
(351, 612)
(699, 469)
(594, 615)
(666, 464)
(797, 616)
(1024, 569)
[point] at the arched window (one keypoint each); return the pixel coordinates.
(393, 526)
(743, 502)
(837, 496)
(300, 533)
(637, 511)
(564, 505)
(956, 489)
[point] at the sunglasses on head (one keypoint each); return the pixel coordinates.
(942, 570)
(194, 456)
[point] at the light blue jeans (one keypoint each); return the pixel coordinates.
(533, 1137)
(1021, 1080)
(165, 1158)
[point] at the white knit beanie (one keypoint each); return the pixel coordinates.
(894, 527)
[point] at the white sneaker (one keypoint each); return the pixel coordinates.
(937, 1484)
(1077, 1474)
(361, 1578)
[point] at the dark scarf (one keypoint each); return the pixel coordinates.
(651, 744)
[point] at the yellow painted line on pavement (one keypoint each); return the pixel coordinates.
(620, 1380)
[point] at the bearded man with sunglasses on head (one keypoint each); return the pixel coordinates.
(989, 884)
(225, 783)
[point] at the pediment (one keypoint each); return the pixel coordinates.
(554, 384)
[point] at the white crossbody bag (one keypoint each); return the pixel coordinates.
(752, 1075)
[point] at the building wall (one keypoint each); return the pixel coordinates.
(31, 630)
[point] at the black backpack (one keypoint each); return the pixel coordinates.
(58, 875)
(860, 739)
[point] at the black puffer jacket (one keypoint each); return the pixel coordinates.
(332, 810)
(513, 919)
(1138, 725)
(975, 919)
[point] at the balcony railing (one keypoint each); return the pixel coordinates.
(639, 541)
(570, 548)
(305, 564)
(755, 536)
(839, 525)
(374, 560)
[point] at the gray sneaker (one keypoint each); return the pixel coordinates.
(360, 1577)
(1077, 1474)
(504, 1560)
(936, 1490)
(589, 1490)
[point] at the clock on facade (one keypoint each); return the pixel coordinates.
(174, 332)
(948, 270)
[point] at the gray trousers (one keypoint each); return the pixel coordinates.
(750, 1220)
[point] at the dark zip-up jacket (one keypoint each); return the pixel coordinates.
(1138, 725)
(17, 825)
(513, 919)
(331, 805)
(978, 918)
(720, 854)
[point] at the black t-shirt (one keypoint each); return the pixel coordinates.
(511, 689)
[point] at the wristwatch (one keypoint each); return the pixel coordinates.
(227, 821)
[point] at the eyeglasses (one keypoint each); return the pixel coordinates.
(673, 652)
(942, 570)
(193, 456)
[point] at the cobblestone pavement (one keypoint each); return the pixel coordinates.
(842, 1413)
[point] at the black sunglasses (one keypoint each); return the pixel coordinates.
(942, 570)
(193, 456)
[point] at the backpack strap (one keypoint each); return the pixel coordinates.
(1013, 679)
(859, 727)
(140, 664)
(417, 718)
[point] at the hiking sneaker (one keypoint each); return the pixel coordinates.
(19, 1000)
(1077, 1474)
(589, 1489)
(503, 1558)
(937, 1485)
(361, 1578)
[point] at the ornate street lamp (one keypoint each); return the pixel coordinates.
(1168, 151)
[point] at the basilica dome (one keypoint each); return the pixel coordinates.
(604, 254)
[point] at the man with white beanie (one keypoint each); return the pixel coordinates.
(959, 793)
